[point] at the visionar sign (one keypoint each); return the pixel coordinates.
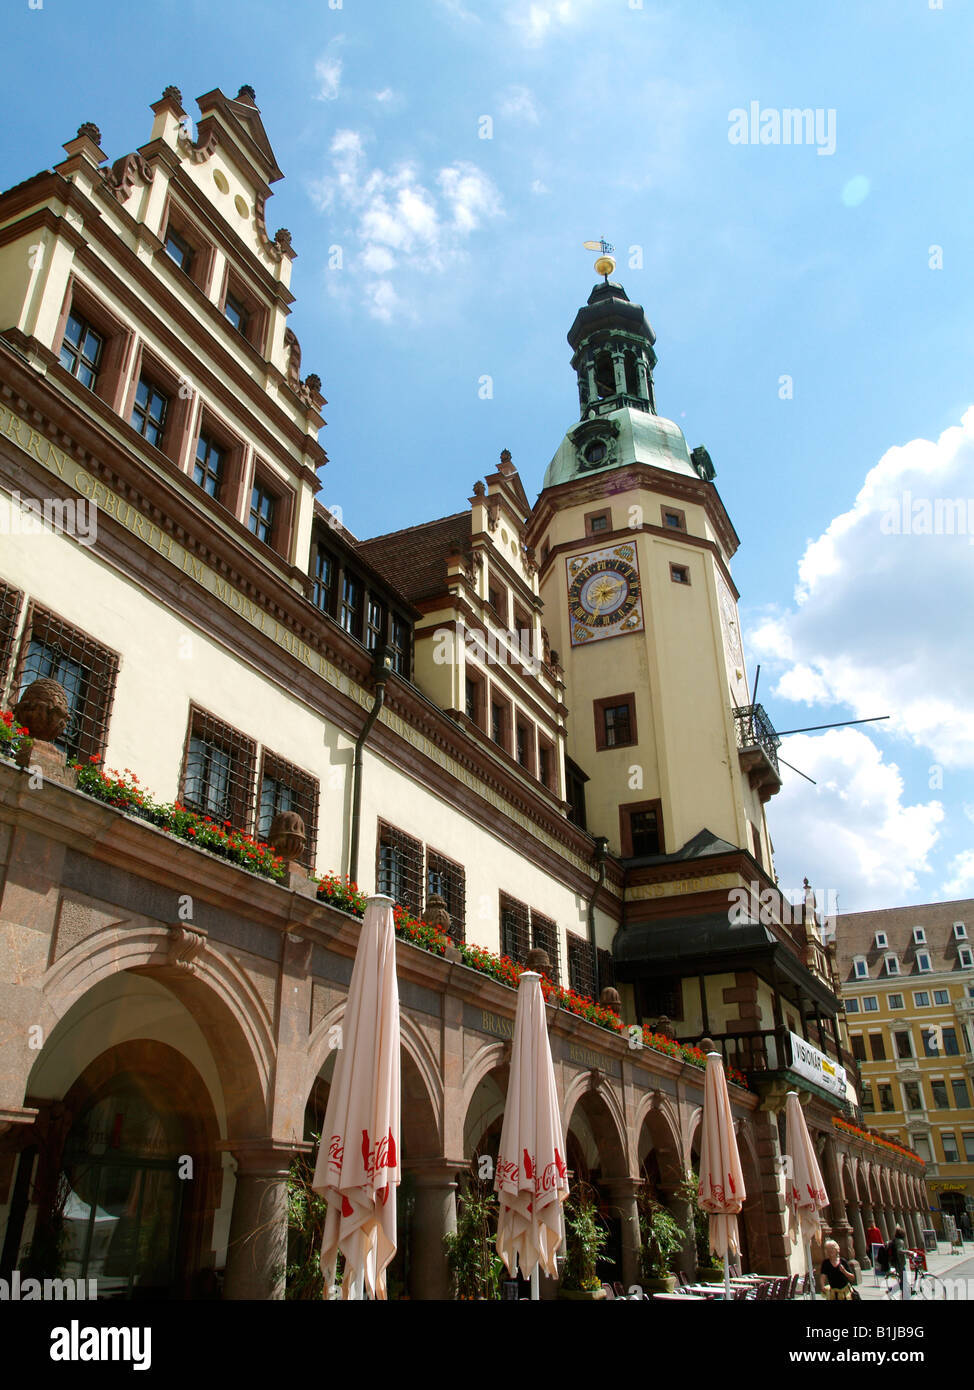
(807, 1061)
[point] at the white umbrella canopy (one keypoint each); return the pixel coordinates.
(805, 1192)
(531, 1179)
(721, 1190)
(358, 1170)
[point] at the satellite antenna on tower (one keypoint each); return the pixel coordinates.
(605, 263)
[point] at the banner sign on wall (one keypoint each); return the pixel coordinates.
(807, 1061)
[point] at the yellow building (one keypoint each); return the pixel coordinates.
(908, 987)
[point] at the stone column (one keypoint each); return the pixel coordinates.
(841, 1229)
(434, 1216)
(621, 1193)
(619, 372)
(858, 1234)
(257, 1246)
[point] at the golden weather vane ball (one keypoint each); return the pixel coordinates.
(605, 263)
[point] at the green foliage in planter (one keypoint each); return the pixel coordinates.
(476, 1270)
(586, 1235)
(662, 1237)
(688, 1192)
(306, 1212)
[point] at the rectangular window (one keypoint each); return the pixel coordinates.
(237, 314)
(939, 1090)
(581, 965)
(375, 623)
(284, 787)
(914, 1100)
(923, 962)
(852, 1006)
(674, 519)
(546, 763)
(218, 771)
(921, 999)
(500, 716)
(680, 574)
(81, 350)
(931, 1042)
(868, 1104)
(575, 780)
(886, 1097)
(323, 593)
(949, 1141)
(474, 700)
(892, 965)
(959, 1087)
(904, 1044)
(399, 868)
(919, 936)
(858, 1047)
(881, 941)
(950, 1042)
(615, 721)
(10, 600)
(179, 250)
(50, 649)
(861, 968)
(515, 929)
(877, 1047)
(968, 1147)
(641, 829)
(448, 879)
(895, 1001)
(597, 522)
(497, 599)
(399, 633)
(960, 931)
(966, 957)
(870, 1004)
(263, 509)
(525, 746)
(149, 412)
(351, 608)
(209, 469)
(941, 996)
(544, 936)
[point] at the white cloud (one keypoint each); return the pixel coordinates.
(328, 74)
(961, 884)
(852, 832)
(884, 604)
(517, 104)
(536, 21)
(400, 222)
(538, 186)
(385, 96)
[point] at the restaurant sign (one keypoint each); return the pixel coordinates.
(808, 1062)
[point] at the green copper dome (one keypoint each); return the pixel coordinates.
(617, 439)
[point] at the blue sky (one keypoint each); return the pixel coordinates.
(462, 259)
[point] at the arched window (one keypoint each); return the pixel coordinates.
(632, 376)
(605, 381)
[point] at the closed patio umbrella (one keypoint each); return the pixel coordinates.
(358, 1161)
(805, 1191)
(531, 1179)
(721, 1190)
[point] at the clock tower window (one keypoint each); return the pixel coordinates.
(615, 721)
(641, 829)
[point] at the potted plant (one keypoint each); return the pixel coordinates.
(662, 1238)
(585, 1237)
(475, 1267)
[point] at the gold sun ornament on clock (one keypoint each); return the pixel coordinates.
(604, 595)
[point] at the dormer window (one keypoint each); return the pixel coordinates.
(966, 957)
(892, 965)
(861, 968)
(960, 931)
(919, 936)
(923, 961)
(882, 941)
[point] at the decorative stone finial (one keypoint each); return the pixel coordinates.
(43, 710)
(282, 236)
(479, 490)
(707, 1045)
(287, 836)
(173, 94)
(537, 959)
(664, 1026)
(247, 91)
(505, 456)
(90, 130)
(313, 382)
(611, 999)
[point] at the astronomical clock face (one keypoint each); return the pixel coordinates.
(604, 598)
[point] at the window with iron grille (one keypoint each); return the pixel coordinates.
(284, 787)
(448, 879)
(662, 997)
(210, 464)
(581, 965)
(50, 649)
(263, 505)
(81, 350)
(544, 937)
(10, 599)
(399, 867)
(375, 622)
(218, 774)
(515, 929)
(324, 581)
(149, 411)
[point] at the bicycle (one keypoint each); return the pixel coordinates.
(923, 1284)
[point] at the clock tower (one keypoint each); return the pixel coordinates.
(634, 547)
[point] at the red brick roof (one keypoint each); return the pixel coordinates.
(414, 560)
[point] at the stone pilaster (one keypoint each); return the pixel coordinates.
(434, 1216)
(621, 1193)
(257, 1247)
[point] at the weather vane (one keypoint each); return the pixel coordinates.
(605, 263)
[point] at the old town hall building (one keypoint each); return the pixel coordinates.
(437, 707)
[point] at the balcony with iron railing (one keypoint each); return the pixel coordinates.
(758, 745)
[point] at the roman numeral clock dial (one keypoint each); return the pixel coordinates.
(604, 598)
